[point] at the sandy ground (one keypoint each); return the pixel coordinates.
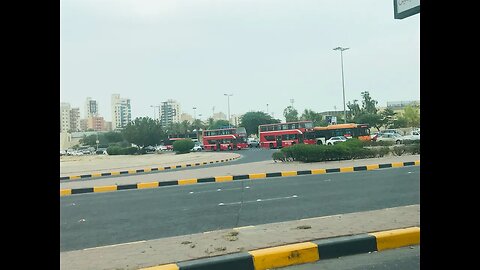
(71, 165)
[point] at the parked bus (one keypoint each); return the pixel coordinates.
(175, 137)
(349, 130)
(225, 139)
(280, 135)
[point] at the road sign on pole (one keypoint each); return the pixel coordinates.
(405, 8)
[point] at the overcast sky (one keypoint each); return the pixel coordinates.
(261, 51)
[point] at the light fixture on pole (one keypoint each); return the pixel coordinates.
(228, 102)
(194, 115)
(341, 49)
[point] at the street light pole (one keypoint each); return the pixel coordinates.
(194, 114)
(341, 49)
(228, 102)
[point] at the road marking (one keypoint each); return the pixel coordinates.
(116, 245)
(260, 200)
(327, 180)
(216, 190)
(244, 227)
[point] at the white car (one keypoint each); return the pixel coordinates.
(198, 147)
(390, 137)
(161, 148)
(334, 140)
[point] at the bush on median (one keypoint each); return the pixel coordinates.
(183, 146)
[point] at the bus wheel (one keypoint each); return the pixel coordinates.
(271, 145)
(319, 142)
(229, 147)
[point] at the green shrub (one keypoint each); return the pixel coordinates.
(413, 149)
(183, 146)
(278, 156)
(129, 150)
(382, 151)
(114, 150)
(380, 143)
(399, 150)
(408, 142)
(353, 143)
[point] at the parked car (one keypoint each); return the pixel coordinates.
(197, 147)
(391, 131)
(335, 140)
(161, 147)
(414, 135)
(390, 137)
(252, 142)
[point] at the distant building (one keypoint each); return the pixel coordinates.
(121, 112)
(107, 126)
(187, 117)
(91, 108)
(235, 119)
(83, 124)
(219, 116)
(400, 105)
(69, 118)
(169, 113)
(96, 123)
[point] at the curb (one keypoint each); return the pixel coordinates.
(305, 252)
(225, 178)
(145, 170)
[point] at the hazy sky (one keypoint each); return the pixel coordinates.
(261, 51)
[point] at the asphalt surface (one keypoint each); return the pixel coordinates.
(92, 220)
(394, 259)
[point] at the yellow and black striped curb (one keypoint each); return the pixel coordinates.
(226, 178)
(305, 252)
(145, 170)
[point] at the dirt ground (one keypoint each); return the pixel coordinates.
(95, 163)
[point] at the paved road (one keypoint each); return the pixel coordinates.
(97, 219)
(394, 259)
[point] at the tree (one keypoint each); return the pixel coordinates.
(372, 119)
(400, 122)
(354, 110)
(90, 140)
(219, 124)
(368, 104)
(412, 116)
(290, 114)
(388, 117)
(316, 118)
(251, 120)
(113, 137)
(143, 131)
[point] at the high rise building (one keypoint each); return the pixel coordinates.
(91, 108)
(121, 112)
(169, 112)
(69, 118)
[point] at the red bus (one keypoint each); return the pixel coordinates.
(349, 130)
(175, 137)
(225, 139)
(286, 134)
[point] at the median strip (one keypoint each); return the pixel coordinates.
(225, 178)
(304, 252)
(144, 170)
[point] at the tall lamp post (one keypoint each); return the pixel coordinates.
(194, 114)
(341, 49)
(228, 102)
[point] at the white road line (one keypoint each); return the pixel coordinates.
(259, 200)
(216, 190)
(244, 227)
(143, 241)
